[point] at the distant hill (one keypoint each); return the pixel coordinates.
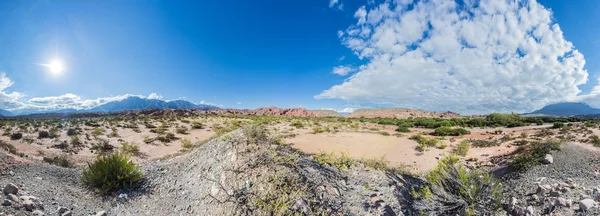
(400, 113)
(137, 103)
(566, 109)
(5, 113)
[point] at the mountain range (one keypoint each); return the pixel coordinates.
(566, 109)
(130, 103)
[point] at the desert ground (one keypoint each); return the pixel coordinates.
(380, 150)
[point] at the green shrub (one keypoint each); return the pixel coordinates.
(448, 131)
(595, 140)
(341, 161)
(402, 129)
(130, 148)
(61, 160)
(111, 172)
(462, 148)
(451, 181)
(384, 133)
(481, 143)
(423, 192)
(16, 136)
(558, 125)
(376, 163)
(72, 132)
(43, 134)
(186, 143)
(317, 130)
(7, 146)
(532, 154)
(197, 125)
(97, 132)
(297, 124)
(182, 130)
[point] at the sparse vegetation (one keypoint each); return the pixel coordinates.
(61, 160)
(16, 136)
(340, 160)
(462, 148)
(448, 131)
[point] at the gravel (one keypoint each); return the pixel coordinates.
(571, 176)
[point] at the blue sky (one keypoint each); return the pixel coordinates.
(249, 54)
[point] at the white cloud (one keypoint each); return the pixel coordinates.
(9, 100)
(238, 103)
(333, 3)
(344, 110)
(211, 103)
(438, 55)
(342, 70)
(341, 58)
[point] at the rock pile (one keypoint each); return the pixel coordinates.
(30, 203)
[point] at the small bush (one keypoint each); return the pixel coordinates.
(532, 154)
(376, 163)
(182, 130)
(384, 133)
(97, 132)
(448, 131)
(558, 125)
(403, 129)
(484, 143)
(43, 134)
(111, 172)
(297, 124)
(72, 132)
(130, 148)
(595, 140)
(186, 143)
(197, 125)
(61, 160)
(462, 148)
(341, 161)
(317, 130)
(476, 191)
(16, 136)
(102, 147)
(422, 193)
(9, 147)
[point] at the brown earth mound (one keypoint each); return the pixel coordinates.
(400, 113)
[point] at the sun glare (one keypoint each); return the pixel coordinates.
(55, 66)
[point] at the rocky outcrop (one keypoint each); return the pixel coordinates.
(265, 111)
(400, 113)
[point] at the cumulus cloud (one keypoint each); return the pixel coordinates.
(9, 100)
(344, 110)
(342, 70)
(473, 57)
(337, 4)
(211, 103)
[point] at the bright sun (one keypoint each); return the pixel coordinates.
(55, 66)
